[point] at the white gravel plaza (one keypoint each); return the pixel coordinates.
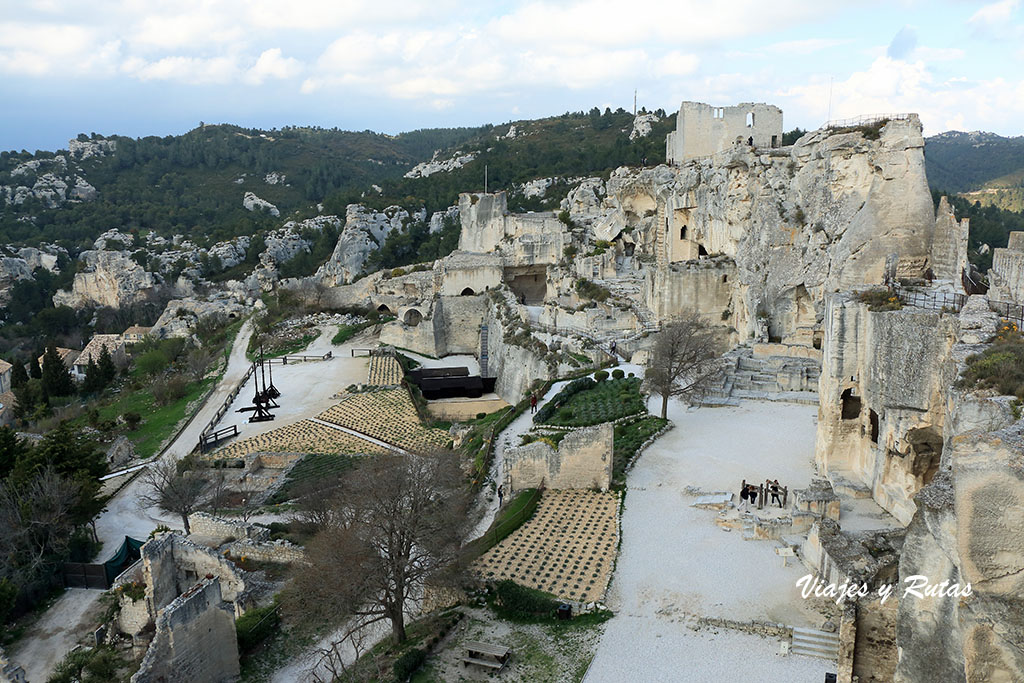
(676, 565)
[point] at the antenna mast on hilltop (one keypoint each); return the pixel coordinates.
(634, 102)
(485, 178)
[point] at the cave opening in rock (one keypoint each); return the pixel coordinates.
(850, 405)
(383, 308)
(413, 317)
(873, 419)
(468, 291)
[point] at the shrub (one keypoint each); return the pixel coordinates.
(519, 601)
(169, 389)
(398, 272)
(600, 375)
(152, 362)
(132, 420)
(880, 299)
(618, 373)
(134, 591)
(406, 665)
(1000, 366)
(255, 626)
(481, 416)
(589, 290)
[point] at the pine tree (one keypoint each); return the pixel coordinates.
(18, 376)
(93, 379)
(56, 376)
(107, 369)
(34, 371)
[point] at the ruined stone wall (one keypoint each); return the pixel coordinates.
(133, 615)
(195, 640)
(205, 524)
(280, 551)
(702, 129)
(461, 318)
(703, 286)
(426, 336)
(462, 270)
(949, 249)
(171, 564)
(583, 460)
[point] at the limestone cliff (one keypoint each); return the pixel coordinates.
(365, 230)
(108, 278)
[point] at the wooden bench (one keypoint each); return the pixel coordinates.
(485, 654)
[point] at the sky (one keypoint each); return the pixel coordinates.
(157, 67)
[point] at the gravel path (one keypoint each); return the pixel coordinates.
(676, 564)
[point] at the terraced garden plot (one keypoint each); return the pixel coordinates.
(385, 371)
(304, 436)
(388, 415)
(608, 400)
(567, 548)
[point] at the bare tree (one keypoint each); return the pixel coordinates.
(178, 493)
(218, 496)
(398, 522)
(197, 361)
(685, 360)
(250, 491)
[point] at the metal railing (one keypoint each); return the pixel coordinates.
(1009, 311)
(935, 300)
(866, 120)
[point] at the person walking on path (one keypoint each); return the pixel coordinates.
(533, 403)
(775, 489)
(752, 494)
(501, 495)
(745, 497)
(613, 347)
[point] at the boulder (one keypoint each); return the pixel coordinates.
(365, 230)
(253, 203)
(108, 278)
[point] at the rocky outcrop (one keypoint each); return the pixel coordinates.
(435, 165)
(12, 270)
(365, 230)
(275, 178)
(253, 203)
(642, 125)
(84, 149)
(108, 278)
(49, 180)
(181, 315)
(114, 240)
(437, 220)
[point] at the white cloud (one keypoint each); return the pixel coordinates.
(896, 86)
(271, 64)
(194, 70)
(806, 47)
(994, 16)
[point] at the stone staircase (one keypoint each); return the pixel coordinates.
(631, 290)
(483, 350)
(773, 378)
(814, 643)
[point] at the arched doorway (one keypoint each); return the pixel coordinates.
(468, 291)
(412, 317)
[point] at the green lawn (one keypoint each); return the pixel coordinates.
(608, 400)
(158, 422)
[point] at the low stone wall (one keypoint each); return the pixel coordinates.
(757, 627)
(461, 409)
(207, 525)
(279, 551)
(789, 350)
(583, 460)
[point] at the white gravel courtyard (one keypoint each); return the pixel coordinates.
(676, 565)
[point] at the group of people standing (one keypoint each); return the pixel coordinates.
(749, 493)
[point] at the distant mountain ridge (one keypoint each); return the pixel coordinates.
(962, 162)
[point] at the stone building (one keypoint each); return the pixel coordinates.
(583, 460)
(114, 345)
(1006, 277)
(703, 130)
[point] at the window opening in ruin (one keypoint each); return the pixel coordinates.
(816, 340)
(750, 119)
(750, 141)
(468, 291)
(850, 405)
(701, 251)
(413, 317)
(775, 141)
(873, 419)
(926, 452)
(682, 233)
(383, 308)
(725, 278)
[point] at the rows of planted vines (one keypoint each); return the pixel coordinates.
(629, 438)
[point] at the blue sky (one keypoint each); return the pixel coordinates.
(156, 67)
